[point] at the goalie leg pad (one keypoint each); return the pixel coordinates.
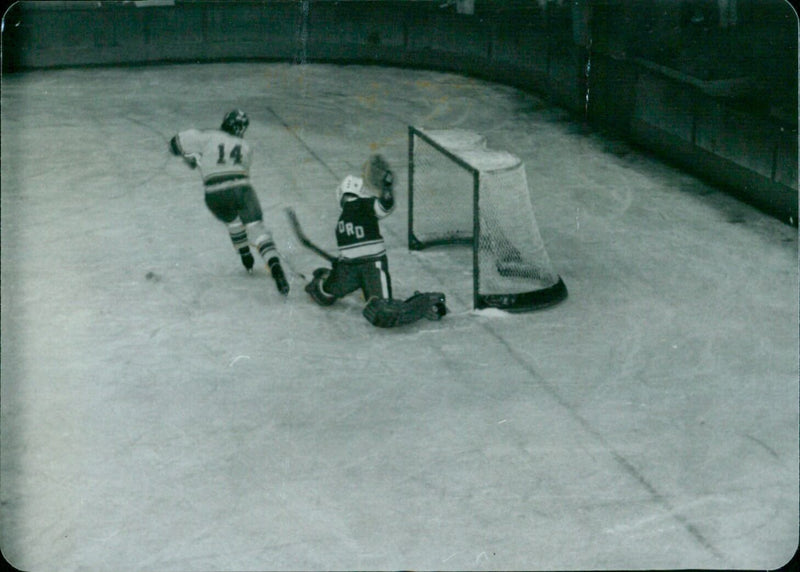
(315, 290)
(383, 312)
(386, 313)
(430, 305)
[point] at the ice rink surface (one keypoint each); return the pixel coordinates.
(164, 411)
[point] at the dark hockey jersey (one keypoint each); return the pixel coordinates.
(358, 233)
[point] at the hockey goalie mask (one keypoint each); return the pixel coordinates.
(351, 186)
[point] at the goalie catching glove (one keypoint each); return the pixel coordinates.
(379, 177)
(378, 174)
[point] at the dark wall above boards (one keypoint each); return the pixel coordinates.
(709, 84)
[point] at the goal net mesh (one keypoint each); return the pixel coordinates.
(461, 191)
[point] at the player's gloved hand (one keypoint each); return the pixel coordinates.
(175, 149)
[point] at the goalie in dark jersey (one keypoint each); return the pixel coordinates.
(362, 261)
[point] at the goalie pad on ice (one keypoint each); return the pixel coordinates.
(387, 313)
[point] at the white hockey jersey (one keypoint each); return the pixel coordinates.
(223, 159)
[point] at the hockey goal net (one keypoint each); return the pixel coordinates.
(462, 192)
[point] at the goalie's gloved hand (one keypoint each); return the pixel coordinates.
(387, 182)
(387, 200)
(378, 173)
(379, 177)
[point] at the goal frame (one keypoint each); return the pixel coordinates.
(518, 302)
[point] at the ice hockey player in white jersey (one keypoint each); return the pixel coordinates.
(362, 261)
(223, 158)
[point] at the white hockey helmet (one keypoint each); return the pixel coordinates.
(351, 186)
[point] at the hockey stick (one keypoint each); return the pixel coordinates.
(301, 236)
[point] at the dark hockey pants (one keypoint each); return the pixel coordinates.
(371, 275)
